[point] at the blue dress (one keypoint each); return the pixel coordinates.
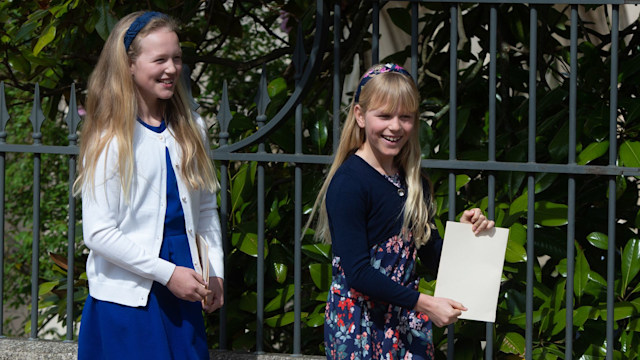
(167, 327)
(369, 311)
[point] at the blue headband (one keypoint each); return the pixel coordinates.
(137, 25)
(378, 69)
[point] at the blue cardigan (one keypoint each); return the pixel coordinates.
(364, 209)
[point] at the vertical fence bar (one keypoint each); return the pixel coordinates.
(453, 113)
(37, 117)
(337, 90)
(4, 118)
(262, 102)
(299, 59)
(414, 41)
(613, 115)
(73, 119)
(375, 38)
(571, 191)
(224, 118)
(531, 150)
(493, 35)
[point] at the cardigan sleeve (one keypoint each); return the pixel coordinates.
(346, 203)
(100, 221)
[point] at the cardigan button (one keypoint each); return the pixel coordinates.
(184, 199)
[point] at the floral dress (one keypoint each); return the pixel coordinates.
(357, 327)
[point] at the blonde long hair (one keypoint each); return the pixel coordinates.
(392, 91)
(112, 108)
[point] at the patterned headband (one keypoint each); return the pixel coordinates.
(137, 25)
(378, 69)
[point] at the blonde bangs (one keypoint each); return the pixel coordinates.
(391, 93)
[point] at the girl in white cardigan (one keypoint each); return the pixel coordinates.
(148, 190)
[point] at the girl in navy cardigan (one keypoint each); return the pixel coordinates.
(375, 209)
(148, 190)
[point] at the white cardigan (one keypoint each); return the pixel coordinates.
(125, 236)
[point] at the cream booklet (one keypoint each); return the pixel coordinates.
(471, 268)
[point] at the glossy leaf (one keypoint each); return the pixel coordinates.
(630, 153)
(592, 152)
(283, 319)
(550, 214)
(621, 310)
(45, 39)
(581, 275)
(599, 240)
(515, 246)
(319, 252)
(513, 343)
(321, 275)
(278, 302)
(630, 263)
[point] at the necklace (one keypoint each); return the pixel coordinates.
(396, 181)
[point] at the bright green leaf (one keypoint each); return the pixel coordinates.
(462, 180)
(280, 271)
(513, 343)
(320, 252)
(630, 153)
(47, 36)
(321, 275)
(46, 287)
(550, 214)
(581, 275)
(276, 86)
(621, 310)
(278, 302)
(314, 320)
(427, 287)
(515, 252)
(592, 152)
(630, 263)
(599, 240)
(519, 205)
(283, 319)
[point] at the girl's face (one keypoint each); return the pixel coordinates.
(157, 68)
(386, 132)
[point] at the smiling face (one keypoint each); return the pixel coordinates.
(156, 68)
(386, 133)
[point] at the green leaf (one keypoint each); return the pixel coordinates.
(320, 252)
(630, 153)
(106, 21)
(621, 310)
(515, 252)
(550, 214)
(584, 313)
(321, 275)
(519, 205)
(592, 152)
(427, 287)
(276, 86)
(247, 242)
(47, 36)
(314, 320)
(278, 302)
(462, 180)
(599, 240)
(280, 271)
(513, 343)
(559, 321)
(237, 186)
(581, 275)
(46, 287)
(630, 263)
(283, 319)
(248, 302)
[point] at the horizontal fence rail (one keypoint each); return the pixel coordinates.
(306, 70)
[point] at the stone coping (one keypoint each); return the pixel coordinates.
(25, 349)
